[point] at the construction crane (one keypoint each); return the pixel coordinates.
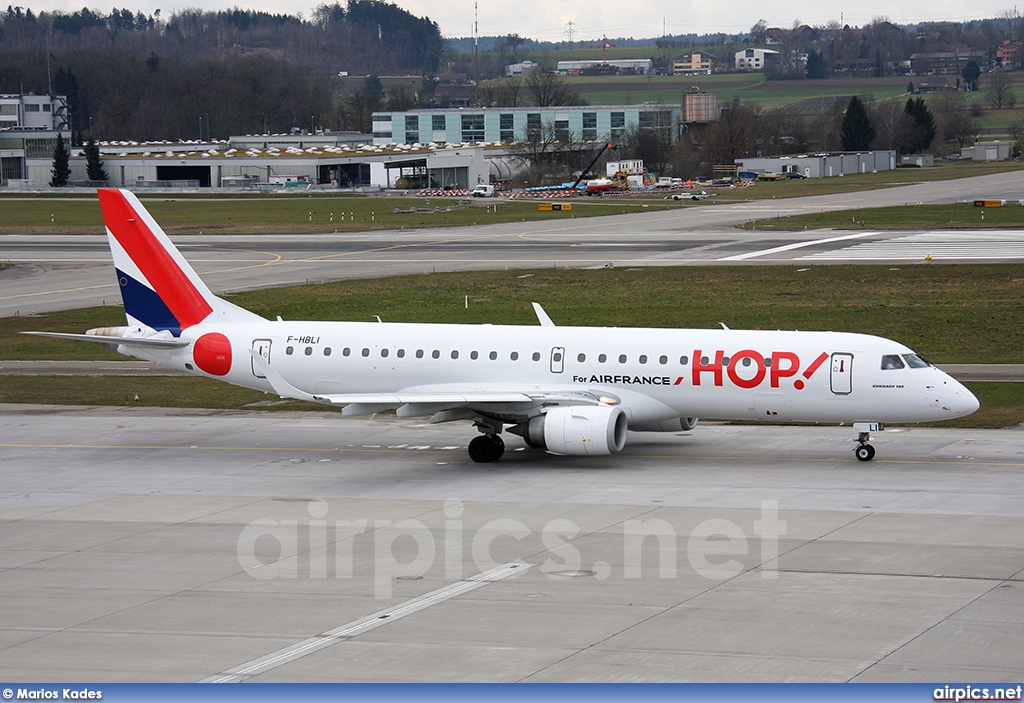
(583, 174)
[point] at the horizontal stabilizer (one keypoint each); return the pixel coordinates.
(107, 339)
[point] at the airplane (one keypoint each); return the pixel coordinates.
(569, 390)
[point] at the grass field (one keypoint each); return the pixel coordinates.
(950, 216)
(290, 215)
(949, 314)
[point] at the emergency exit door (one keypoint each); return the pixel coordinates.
(842, 373)
(557, 359)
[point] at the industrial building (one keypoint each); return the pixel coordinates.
(29, 125)
(243, 162)
(505, 125)
(822, 165)
(641, 66)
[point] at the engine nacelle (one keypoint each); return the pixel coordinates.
(676, 424)
(588, 430)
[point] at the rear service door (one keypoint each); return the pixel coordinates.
(261, 346)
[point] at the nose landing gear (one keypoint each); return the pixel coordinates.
(864, 451)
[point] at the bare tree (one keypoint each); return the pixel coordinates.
(955, 121)
(1000, 91)
(892, 125)
(550, 89)
(548, 154)
(731, 137)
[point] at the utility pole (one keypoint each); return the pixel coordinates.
(476, 50)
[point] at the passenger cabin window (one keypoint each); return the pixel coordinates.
(289, 350)
(662, 359)
(514, 356)
(366, 352)
(892, 361)
(601, 358)
(581, 358)
(536, 356)
(455, 354)
(622, 358)
(419, 353)
(493, 355)
(643, 359)
(309, 351)
(436, 354)
(474, 355)
(384, 352)
(684, 360)
(401, 353)
(346, 351)
(327, 351)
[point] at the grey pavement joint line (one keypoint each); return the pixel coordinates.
(365, 624)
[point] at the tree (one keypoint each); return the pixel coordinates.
(757, 32)
(61, 164)
(549, 89)
(1000, 91)
(857, 132)
(731, 137)
(894, 127)
(922, 129)
(971, 73)
(955, 121)
(816, 66)
(94, 170)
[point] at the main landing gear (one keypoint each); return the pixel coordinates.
(486, 447)
(864, 451)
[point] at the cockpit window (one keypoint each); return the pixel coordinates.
(891, 361)
(915, 362)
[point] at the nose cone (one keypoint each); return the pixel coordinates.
(959, 400)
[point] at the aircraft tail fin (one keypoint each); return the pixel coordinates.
(159, 288)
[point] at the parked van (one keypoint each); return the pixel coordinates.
(483, 190)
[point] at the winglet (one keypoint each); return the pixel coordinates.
(277, 382)
(545, 321)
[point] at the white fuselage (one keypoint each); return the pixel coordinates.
(657, 374)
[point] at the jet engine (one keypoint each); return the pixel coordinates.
(577, 430)
(676, 424)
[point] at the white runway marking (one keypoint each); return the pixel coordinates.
(797, 245)
(938, 245)
(365, 624)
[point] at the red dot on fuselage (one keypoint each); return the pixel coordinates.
(798, 384)
(212, 353)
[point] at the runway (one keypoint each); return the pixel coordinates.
(148, 544)
(144, 544)
(50, 273)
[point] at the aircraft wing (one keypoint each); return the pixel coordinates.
(430, 401)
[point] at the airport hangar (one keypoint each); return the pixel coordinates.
(331, 160)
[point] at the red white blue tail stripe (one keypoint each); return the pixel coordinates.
(159, 288)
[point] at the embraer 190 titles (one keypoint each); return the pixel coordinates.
(569, 390)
